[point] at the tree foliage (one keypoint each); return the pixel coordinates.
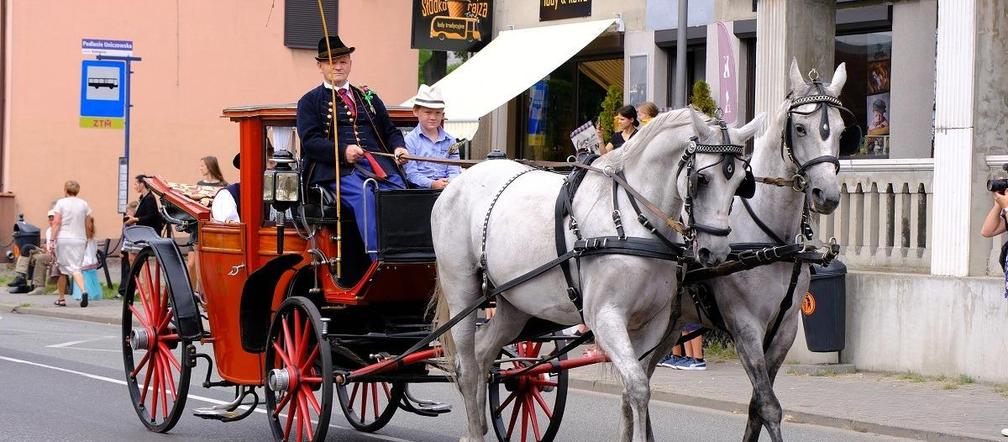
(701, 98)
(612, 102)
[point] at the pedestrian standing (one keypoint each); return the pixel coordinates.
(626, 125)
(73, 215)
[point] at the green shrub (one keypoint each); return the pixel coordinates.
(701, 98)
(612, 102)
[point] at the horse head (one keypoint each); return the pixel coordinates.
(810, 139)
(712, 171)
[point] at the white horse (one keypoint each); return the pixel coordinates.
(749, 301)
(626, 299)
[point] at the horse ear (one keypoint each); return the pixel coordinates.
(700, 126)
(795, 75)
(749, 130)
(839, 78)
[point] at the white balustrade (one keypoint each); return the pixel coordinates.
(883, 222)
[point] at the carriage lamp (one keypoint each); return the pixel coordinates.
(280, 189)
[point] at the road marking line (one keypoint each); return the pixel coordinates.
(191, 396)
(68, 344)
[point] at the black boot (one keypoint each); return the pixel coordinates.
(19, 280)
(23, 288)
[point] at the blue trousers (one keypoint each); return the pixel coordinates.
(363, 203)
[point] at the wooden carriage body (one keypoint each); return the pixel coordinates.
(228, 253)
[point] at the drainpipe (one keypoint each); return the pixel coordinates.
(3, 84)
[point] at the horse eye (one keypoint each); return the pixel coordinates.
(800, 129)
(702, 179)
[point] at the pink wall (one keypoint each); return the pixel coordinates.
(199, 57)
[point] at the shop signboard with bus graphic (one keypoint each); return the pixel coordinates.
(452, 25)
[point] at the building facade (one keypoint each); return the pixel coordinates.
(927, 86)
(197, 59)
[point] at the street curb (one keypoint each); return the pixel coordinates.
(790, 416)
(66, 313)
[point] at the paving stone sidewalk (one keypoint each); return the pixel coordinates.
(904, 405)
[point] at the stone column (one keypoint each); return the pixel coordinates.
(954, 154)
(804, 29)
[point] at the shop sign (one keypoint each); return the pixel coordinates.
(452, 25)
(560, 9)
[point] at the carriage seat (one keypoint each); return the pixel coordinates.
(320, 205)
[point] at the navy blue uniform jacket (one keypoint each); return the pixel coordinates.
(374, 130)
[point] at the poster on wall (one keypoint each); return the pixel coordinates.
(452, 25)
(561, 9)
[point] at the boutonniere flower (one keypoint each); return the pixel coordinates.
(368, 96)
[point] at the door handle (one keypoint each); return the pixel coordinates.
(235, 269)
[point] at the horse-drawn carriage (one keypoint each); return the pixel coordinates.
(291, 301)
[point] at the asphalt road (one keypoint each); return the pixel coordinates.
(62, 380)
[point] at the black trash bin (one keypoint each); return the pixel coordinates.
(824, 308)
(26, 236)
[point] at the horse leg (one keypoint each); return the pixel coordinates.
(459, 290)
(774, 359)
(506, 324)
(610, 329)
(764, 406)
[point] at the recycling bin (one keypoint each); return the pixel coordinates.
(824, 308)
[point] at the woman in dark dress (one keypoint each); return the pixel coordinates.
(626, 122)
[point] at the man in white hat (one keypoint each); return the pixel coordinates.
(429, 139)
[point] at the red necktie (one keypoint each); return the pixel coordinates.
(348, 102)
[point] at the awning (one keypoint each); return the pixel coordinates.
(506, 67)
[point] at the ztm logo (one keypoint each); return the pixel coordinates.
(808, 304)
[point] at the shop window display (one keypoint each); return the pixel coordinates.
(866, 93)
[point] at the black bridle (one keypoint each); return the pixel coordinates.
(729, 153)
(815, 94)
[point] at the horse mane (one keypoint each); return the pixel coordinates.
(633, 147)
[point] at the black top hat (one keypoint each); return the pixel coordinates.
(337, 46)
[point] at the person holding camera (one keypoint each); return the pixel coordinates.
(996, 221)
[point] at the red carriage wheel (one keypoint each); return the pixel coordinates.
(369, 406)
(298, 373)
(527, 407)
(157, 360)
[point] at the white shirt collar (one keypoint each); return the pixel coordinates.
(345, 86)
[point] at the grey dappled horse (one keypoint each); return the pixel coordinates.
(749, 300)
(627, 299)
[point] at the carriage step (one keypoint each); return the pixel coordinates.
(423, 407)
(220, 414)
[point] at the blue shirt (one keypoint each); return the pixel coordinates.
(423, 173)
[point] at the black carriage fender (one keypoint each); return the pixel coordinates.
(256, 299)
(186, 312)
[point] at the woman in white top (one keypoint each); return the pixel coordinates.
(73, 218)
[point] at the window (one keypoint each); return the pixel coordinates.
(302, 24)
(866, 93)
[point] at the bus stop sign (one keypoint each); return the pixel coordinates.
(102, 101)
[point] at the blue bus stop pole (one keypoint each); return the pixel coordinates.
(126, 91)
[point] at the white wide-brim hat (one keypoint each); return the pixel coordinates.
(428, 97)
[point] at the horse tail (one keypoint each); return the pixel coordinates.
(438, 308)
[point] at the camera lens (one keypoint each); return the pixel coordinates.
(998, 185)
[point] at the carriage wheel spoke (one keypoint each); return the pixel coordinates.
(157, 388)
(374, 399)
(388, 393)
(303, 404)
(310, 359)
(288, 344)
(312, 400)
(143, 361)
(290, 416)
(514, 417)
(165, 375)
(171, 379)
(353, 394)
(534, 417)
(147, 380)
(169, 357)
(507, 401)
(281, 403)
(542, 403)
(525, 419)
(141, 318)
(283, 355)
(300, 419)
(303, 334)
(364, 403)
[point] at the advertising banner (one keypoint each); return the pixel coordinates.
(561, 9)
(452, 25)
